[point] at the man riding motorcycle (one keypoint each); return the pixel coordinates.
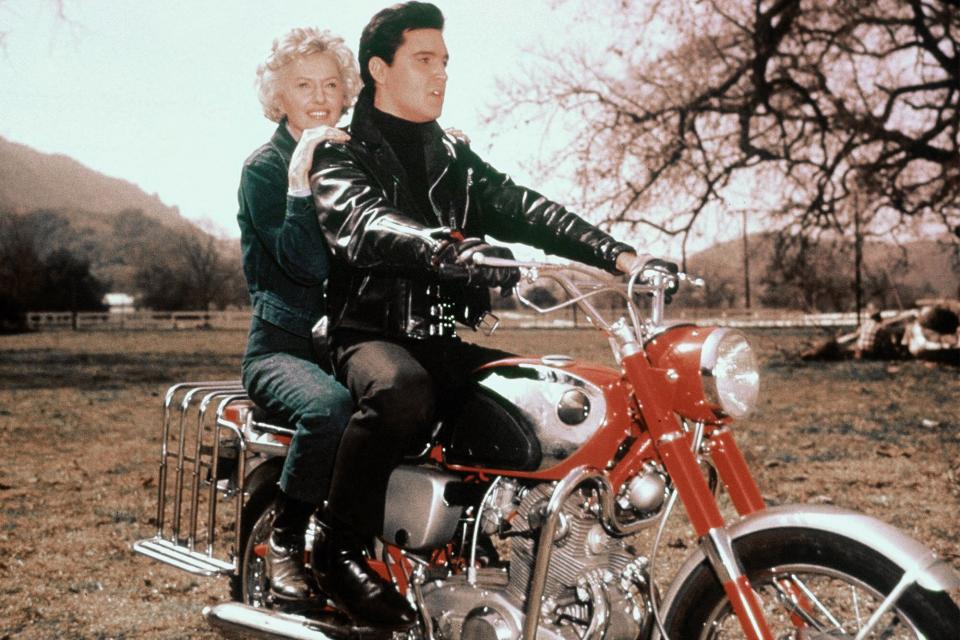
(404, 209)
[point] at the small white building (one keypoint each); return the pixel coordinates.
(119, 302)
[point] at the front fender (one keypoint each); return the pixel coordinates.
(910, 555)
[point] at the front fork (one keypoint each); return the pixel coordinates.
(653, 391)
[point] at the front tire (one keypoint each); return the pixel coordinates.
(848, 578)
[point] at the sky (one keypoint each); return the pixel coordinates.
(161, 93)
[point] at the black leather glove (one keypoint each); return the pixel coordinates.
(667, 268)
(455, 262)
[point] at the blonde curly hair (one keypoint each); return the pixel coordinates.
(298, 43)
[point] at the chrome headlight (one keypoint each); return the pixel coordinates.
(729, 372)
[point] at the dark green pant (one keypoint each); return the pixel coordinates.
(281, 374)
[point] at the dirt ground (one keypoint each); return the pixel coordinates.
(79, 433)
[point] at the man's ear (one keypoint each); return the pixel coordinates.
(377, 67)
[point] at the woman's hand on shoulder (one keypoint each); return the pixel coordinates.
(302, 159)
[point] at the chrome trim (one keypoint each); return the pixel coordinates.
(541, 566)
(711, 345)
(718, 547)
(670, 437)
(266, 427)
(653, 594)
(184, 523)
(417, 580)
(709, 355)
(235, 431)
(240, 620)
(199, 465)
(177, 556)
(557, 360)
(906, 580)
(592, 584)
(537, 396)
(477, 523)
(608, 516)
(918, 562)
(416, 516)
(185, 404)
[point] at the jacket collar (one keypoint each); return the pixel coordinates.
(362, 125)
(282, 139)
(439, 152)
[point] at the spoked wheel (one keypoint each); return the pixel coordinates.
(250, 585)
(813, 585)
(255, 586)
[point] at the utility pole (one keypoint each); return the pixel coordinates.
(857, 255)
(746, 261)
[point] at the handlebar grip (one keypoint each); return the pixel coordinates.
(482, 260)
(452, 273)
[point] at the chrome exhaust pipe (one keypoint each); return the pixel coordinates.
(235, 620)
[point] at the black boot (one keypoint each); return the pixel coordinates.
(284, 560)
(342, 572)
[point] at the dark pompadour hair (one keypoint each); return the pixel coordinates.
(383, 35)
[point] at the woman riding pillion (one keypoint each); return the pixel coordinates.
(308, 81)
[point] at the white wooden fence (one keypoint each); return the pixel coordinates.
(87, 320)
(705, 317)
(240, 319)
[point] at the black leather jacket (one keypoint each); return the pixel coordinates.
(383, 276)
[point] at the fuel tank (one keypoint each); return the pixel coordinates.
(527, 414)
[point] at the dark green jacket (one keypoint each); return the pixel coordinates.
(285, 256)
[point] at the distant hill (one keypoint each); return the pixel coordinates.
(918, 269)
(31, 180)
(109, 222)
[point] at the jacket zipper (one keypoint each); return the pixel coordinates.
(466, 208)
(433, 206)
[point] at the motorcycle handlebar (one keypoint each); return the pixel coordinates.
(482, 260)
(649, 279)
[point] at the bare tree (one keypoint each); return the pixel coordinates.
(205, 268)
(37, 274)
(191, 270)
(21, 262)
(57, 7)
(812, 101)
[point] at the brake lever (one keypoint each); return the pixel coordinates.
(529, 271)
(692, 280)
(681, 276)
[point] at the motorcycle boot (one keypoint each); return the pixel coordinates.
(285, 569)
(341, 569)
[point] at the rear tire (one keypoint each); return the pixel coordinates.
(849, 578)
(250, 585)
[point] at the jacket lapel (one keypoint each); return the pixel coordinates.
(378, 157)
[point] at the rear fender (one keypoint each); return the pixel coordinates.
(932, 572)
(265, 474)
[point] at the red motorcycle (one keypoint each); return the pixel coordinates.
(539, 510)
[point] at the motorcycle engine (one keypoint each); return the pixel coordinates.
(595, 587)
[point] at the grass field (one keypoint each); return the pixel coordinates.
(79, 432)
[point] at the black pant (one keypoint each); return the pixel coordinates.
(401, 387)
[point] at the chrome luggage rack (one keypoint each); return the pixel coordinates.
(203, 462)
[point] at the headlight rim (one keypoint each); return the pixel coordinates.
(709, 359)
